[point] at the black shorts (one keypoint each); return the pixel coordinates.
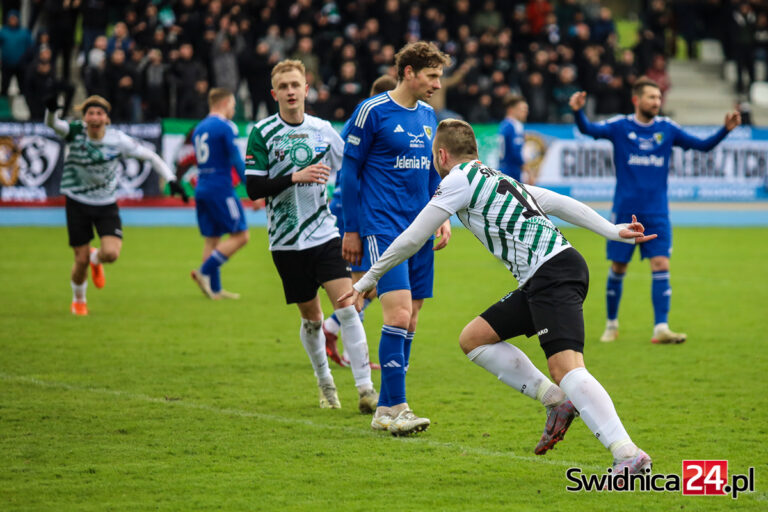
(81, 218)
(549, 304)
(302, 272)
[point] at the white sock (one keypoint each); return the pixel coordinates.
(355, 346)
(550, 394)
(612, 323)
(313, 339)
(95, 257)
(78, 291)
(331, 325)
(511, 366)
(597, 410)
(660, 327)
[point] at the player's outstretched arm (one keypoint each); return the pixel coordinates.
(687, 141)
(596, 130)
(579, 214)
(60, 126)
(406, 245)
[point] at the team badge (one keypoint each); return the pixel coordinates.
(658, 137)
(9, 162)
(301, 154)
(428, 131)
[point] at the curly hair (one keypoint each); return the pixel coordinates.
(419, 55)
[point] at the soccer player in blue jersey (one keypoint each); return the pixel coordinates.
(387, 157)
(331, 325)
(512, 138)
(219, 210)
(642, 146)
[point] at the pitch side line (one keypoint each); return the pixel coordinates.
(359, 431)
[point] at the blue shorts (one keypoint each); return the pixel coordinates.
(218, 215)
(336, 210)
(654, 224)
(416, 274)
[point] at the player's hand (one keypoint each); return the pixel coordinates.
(577, 101)
(732, 120)
(636, 231)
(352, 248)
(354, 295)
(442, 235)
(51, 102)
(176, 188)
(315, 173)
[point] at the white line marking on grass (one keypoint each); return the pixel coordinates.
(294, 421)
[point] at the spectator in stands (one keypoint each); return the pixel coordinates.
(224, 64)
(761, 39)
(155, 87)
(538, 98)
(15, 44)
(62, 18)
(658, 73)
(194, 105)
(42, 83)
(562, 92)
(603, 27)
(186, 72)
(743, 34)
(120, 39)
(537, 11)
(94, 23)
(349, 91)
(122, 87)
(608, 92)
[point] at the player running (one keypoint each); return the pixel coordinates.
(642, 147)
(219, 210)
(89, 182)
(387, 158)
(511, 221)
(331, 324)
(288, 160)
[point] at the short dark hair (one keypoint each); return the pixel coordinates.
(382, 84)
(419, 55)
(456, 137)
(512, 100)
(641, 83)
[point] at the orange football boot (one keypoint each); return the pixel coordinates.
(97, 273)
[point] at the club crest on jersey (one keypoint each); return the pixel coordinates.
(279, 154)
(658, 137)
(301, 154)
(428, 131)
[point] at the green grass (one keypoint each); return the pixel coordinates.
(163, 400)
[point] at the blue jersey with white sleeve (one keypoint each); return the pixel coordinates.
(641, 154)
(388, 157)
(511, 141)
(216, 154)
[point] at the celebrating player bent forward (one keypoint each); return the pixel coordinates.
(510, 219)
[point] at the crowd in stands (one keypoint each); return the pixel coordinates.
(158, 58)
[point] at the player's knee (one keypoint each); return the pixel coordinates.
(399, 317)
(109, 255)
(469, 340)
(619, 268)
(82, 258)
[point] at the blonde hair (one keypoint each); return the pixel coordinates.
(217, 94)
(287, 65)
(456, 137)
(93, 101)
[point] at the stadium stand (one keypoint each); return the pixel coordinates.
(158, 58)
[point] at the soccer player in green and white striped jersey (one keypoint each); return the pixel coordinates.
(288, 159)
(89, 182)
(511, 221)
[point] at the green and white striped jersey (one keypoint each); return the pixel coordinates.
(91, 167)
(503, 215)
(298, 217)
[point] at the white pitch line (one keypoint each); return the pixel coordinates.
(295, 421)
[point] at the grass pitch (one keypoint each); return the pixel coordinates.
(161, 399)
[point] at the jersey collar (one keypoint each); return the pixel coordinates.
(639, 123)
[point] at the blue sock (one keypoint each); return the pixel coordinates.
(361, 314)
(661, 294)
(392, 366)
(407, 349)
(211, 268)
(335, 319)
(613, 294)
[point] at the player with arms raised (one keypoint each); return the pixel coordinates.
(511, 221)
(387, 158)
(642, 147)
(89, 182)
(219, 210)
(288, 160)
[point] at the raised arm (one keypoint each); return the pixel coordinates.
(596, 130)
(60, 126)
(578, 213)
(687, 141)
